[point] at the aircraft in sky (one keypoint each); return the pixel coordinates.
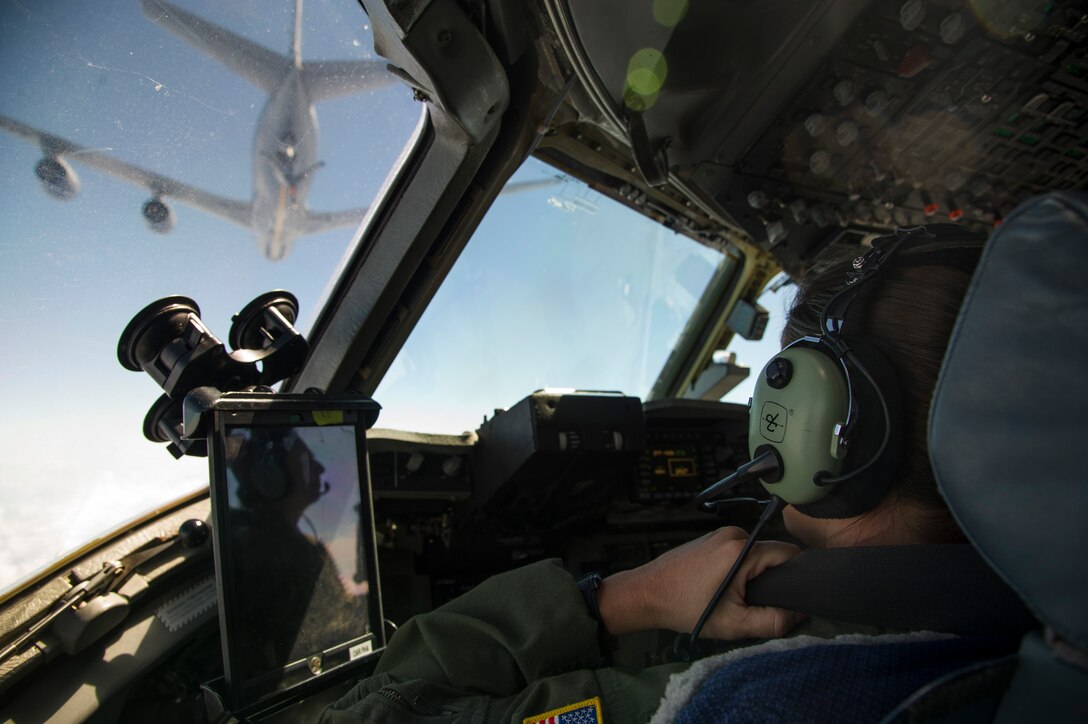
(285, 143)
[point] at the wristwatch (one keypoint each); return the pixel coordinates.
(588, 585)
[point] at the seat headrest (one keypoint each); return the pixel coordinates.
(1008, 428)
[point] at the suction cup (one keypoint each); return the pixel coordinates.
(250, 326)
(162, 416)
(163, 424)
(152, 329)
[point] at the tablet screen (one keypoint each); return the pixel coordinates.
(294, 540)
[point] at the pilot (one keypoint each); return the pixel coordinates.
(531, 645)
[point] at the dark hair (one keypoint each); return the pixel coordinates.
(909, 316)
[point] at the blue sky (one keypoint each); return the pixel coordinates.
(73, 461)
(559, 287)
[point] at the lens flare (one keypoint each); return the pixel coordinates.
(670, 12)
(646, 72)
(1009, 19)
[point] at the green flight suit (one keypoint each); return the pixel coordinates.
(520, 645)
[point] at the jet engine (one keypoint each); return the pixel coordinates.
(158, 215)
(57, 177)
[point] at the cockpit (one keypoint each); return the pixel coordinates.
(553, 241)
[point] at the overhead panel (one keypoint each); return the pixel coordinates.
(801, 120)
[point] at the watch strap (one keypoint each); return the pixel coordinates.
(588, 585)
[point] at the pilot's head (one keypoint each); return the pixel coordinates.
(909, 316)
(276, 469)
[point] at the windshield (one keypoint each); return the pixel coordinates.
(151, 150)
(559, 287)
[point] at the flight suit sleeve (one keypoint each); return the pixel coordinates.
(519, 646)
(510, 630)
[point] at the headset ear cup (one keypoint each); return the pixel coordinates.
(862, 493)
(269, 473)
(798, 398)
(261, 470)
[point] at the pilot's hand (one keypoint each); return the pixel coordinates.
(671, 591)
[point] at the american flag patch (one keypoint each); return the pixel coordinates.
(584, 712)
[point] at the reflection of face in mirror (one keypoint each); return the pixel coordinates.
(298, 572)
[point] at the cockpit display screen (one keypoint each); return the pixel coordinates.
(295, 552)
(677, 463)
(674, 462)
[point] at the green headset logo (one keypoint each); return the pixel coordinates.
(772, 421)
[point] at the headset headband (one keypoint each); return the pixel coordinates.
(915, 246)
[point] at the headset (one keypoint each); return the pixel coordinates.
(266, 463)
(261, 467)
(828, 409)
(825, 423)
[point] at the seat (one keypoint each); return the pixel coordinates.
(1007, 435)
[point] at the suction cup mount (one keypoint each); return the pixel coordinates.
(262, 321)
(151, 328)
(163, 423)
(168, 341)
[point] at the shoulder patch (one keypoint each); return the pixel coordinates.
(584, 712)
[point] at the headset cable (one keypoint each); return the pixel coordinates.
(688, 649)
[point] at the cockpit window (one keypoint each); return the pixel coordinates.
(214, 150)
(754, 354)
(559, 287)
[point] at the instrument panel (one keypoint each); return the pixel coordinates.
(690, 445)
(672, 449)
(601, 480)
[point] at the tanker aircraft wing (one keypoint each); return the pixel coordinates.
(61, 181)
